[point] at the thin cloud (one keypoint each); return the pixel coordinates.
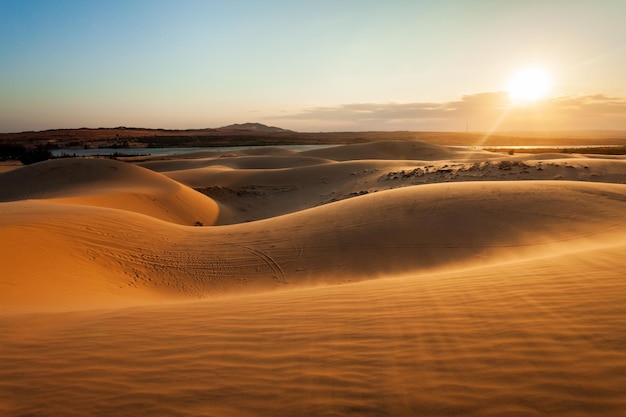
(399, 111)
(598, 104)
(371, 111)
(481, 111)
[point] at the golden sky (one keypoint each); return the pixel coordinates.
(313, 66)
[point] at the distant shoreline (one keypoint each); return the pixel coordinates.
(135, 152)
(123, 138)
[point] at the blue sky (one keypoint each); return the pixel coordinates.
(307, 65)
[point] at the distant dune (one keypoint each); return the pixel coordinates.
(384, 150)
(379, 279)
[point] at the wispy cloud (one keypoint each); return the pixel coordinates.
(483, 111)
(596, 104)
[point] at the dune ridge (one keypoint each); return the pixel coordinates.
(383, 279)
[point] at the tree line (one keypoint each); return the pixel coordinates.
(14, 152)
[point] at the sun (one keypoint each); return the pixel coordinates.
(529, 84)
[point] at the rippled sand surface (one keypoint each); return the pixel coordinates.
(424, 282)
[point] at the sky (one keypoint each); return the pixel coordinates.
(323, 65)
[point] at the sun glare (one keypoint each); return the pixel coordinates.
(529, 84)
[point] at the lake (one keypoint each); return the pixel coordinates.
(168, 151)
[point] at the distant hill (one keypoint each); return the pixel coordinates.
(254, 127)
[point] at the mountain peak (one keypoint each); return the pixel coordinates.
(254, 127)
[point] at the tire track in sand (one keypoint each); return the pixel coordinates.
(277, 270)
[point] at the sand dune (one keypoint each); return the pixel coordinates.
(381, 279)
(387, 233)
(254, 194)
(109, 183)
(234, 161)
(385, 150)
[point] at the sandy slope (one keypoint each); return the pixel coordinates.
(535, 338)
(109, 183)
(391, 232)
(383, 279)
(6, 166)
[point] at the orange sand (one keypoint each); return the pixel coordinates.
(380, 279)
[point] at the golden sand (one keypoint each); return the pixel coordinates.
(384, 279)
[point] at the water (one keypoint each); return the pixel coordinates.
(168, 151)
